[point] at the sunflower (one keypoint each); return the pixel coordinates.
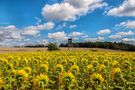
(115, 63)
(1, 83)
(101, 67)
(95, 63)
(59, 68)
(74, 69)
(41, 80)
(44, 68)
(68, 79)
(84, 61)
(116, 71)
(98, 78)
(28, 69)
(71, 62)
(89, 68)
(21, 74)
(10, 66)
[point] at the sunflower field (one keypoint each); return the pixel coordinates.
(67, 70)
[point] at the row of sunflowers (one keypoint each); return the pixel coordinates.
(61, 70)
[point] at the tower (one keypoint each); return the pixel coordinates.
(70, 44)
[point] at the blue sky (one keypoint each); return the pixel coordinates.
(43, 21)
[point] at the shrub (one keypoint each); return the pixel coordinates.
(52, 47)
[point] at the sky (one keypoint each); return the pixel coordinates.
(24, 22)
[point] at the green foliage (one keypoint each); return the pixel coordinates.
(52, 47)
(105, 45)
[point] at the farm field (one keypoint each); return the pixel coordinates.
(12, 50)
(67, 70)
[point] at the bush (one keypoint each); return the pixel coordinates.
(52, 47)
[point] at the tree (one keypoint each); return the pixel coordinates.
(52, 47)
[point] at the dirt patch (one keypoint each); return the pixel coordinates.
(6, 50)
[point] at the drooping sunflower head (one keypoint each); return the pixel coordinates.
(15, 62)
(28, 69)
(68, 79)
(84, 61)
(24, 61)
(59, 68)
(44, 68)
(101, 67)
(95, 63)
(127, 65)
(1, 83)
(106, 62)
(71, 62)
(115, 63)
(64, 62)
(21, 74)
(89, 68)
(10, 66)
(116, 72)
(74, 69)
(97, 78)
(41, 80)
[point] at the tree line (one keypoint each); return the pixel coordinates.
(104, 45)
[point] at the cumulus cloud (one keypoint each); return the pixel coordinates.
(104, 31)
(121, 34)
(128, 24)
(58, 35)
(73, 34)
(129, 33)
(98, 39)
(34, 30)
(30, 32)
(11, 34)
(114, 36)
(127, 8)
(129, 40)
(45, 26)
(70, 10)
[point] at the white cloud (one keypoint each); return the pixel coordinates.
(10, 32)
(31, 32)
(10, 27)
(58, 35)
(121, 34)
(104, 31)
(34, 30)
(129, 40)
(98, 39)
(85, 36)
(129, 33)
(45, 26)
(127, 24)
(70, 10)
(127, 8)
(73, 34)
(13, 35)
(44, 42)
(62, 12)
(115, 36)
(72, 26)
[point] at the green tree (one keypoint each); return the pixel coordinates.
(52, 47)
